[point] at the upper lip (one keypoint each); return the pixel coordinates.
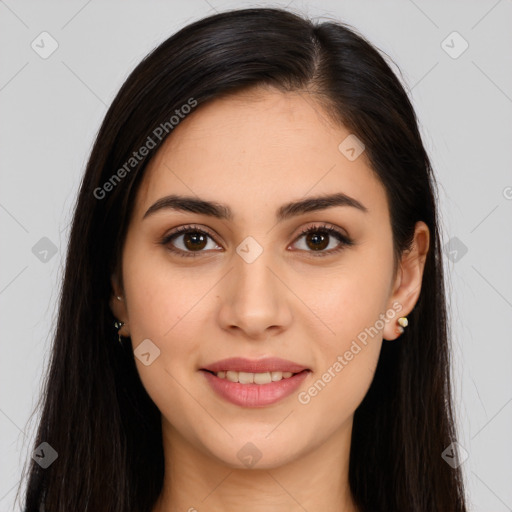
(241, 364)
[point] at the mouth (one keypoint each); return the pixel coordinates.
(255, 366)
(253, 378)
(254, 383)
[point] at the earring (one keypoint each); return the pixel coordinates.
(402, 322)
(118, 326)
(119, 298)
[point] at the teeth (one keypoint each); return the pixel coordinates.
(253, 378)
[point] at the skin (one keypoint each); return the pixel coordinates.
(273, 148)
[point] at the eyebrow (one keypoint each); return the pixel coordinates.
(221, 211)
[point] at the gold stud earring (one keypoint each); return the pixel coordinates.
(402, 323)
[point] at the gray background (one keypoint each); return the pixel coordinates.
(52, 108)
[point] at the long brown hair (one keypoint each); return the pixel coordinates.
(95, 411)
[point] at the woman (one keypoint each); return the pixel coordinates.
(253, 313)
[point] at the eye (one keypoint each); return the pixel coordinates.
(318, 238)
(188, 241)
(191, 241)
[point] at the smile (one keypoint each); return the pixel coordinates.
(240, 388)
(253, 378)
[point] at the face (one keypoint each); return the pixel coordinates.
(252, 277)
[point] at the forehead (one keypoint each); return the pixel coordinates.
(261, 144)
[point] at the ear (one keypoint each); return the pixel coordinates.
(407, 285)
(117, 305)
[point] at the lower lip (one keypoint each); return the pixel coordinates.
(255, 395)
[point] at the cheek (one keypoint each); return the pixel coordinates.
(347, 328)
(346, 357)
(350, 299)
(163, 307)
(160, 296)
(171, 307)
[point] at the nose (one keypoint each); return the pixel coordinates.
(254, 302)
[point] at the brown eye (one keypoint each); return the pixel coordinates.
(194, 241)
(189, 241)
(317, 239)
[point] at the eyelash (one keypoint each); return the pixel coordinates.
(344, 240)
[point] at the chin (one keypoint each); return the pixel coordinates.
(254, 454)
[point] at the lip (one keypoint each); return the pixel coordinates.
(254, 395)
(268, 364)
